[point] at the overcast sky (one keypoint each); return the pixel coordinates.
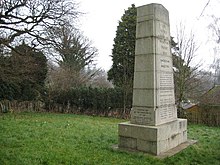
(100, 22)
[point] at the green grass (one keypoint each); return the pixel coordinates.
(44, 138)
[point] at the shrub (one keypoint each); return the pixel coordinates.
(87, 100)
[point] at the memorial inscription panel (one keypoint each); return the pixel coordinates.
(143, 115)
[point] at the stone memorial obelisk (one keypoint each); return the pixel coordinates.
(154, 126)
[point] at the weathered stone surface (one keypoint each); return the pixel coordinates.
(153, 11)
(154, 126)
(127, 142)
(152, 27)
(153, 77)
(147, 146)
(152, 139)
(144, 97)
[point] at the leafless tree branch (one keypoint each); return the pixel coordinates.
(30, 18)
(205, 8)
(187, 75)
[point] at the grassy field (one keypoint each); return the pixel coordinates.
(44, 138)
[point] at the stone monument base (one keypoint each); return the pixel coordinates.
(152, 139)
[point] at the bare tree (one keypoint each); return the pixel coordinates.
(215, 28)
(30, 18)
(203, 10)
(186, 74)
(100, 80)
(61, 78)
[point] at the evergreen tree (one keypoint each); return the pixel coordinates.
(23, 74)
(30, 67)
(75, 51)
(76, 58)
(123, 53)
(8, 87)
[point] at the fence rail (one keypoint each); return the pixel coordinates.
(202, 115)
(19, 106)
(37, 106)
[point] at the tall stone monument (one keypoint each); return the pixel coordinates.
(154, 126)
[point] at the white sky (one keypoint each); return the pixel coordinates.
(100, 22)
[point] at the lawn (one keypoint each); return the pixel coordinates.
(45, 138)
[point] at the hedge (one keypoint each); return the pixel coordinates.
(85, 99)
